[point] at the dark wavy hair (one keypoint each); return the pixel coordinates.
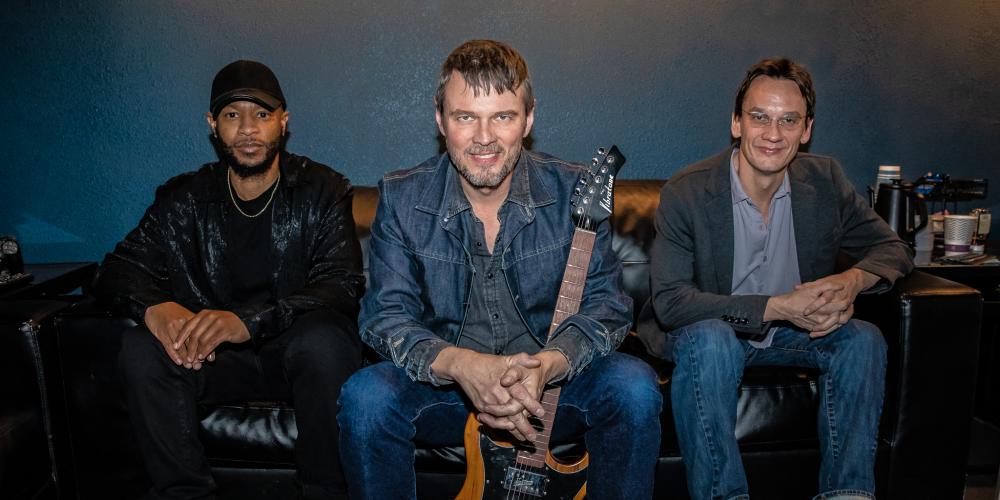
(783, 69)
(487, 66)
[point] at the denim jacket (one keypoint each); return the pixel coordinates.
(421, 272)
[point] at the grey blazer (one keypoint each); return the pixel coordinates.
(691, 264)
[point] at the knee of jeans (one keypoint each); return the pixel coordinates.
(865, 340)
(634, 388)
(706, 339)
(366, 400)
(140, 350)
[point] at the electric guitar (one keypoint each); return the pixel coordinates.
(497, 466)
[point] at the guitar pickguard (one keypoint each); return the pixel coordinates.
(501, 477)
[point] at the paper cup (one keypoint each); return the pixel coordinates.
(958, 231)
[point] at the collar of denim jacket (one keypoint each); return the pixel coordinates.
(454, 200)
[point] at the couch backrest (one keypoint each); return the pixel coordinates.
(632, 221)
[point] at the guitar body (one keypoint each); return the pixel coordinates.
(492, 463)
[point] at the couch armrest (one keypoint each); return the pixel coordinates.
(932, 329)
(104, 452)
(29, 397)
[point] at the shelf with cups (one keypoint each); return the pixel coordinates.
(986, 279)
(933, 198)
(952, 243)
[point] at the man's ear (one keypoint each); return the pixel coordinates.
(807, 134)
(211, 123)
(735, 127)
(529, 120)
(438, 118)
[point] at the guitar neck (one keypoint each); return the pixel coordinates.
(568, 304)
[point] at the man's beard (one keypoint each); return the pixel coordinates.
(245, 170)
(486, 180)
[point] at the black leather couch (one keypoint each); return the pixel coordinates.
(930, 324)
(29, 380)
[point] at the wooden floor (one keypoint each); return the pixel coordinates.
(981, 487)
(984, 460)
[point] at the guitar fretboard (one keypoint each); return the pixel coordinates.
(568, 304)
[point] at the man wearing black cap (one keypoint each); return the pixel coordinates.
(244, 278)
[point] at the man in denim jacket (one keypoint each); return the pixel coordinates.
(467, 256)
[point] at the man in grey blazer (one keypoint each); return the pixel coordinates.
(743, 274)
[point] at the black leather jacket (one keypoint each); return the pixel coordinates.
(178, 251)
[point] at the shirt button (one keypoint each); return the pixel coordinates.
(489, 275)
(496, 316)
(498, 351)
(479, 244)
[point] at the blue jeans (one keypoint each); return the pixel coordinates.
(614, 404)
(704, 391)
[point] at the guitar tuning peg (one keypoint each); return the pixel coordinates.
(611, 160)
(577, 190)
(600, 151)
(593, 161)
(582, 180)
(604, 169)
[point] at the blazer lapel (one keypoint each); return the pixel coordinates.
(720, 217)
(805, 214)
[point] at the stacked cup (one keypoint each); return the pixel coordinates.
(958, 233)
(886, 174)
(984, 217)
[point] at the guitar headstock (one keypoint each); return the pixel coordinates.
(594, 196)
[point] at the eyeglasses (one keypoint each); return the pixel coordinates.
(787, 122)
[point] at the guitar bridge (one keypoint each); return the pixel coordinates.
(525, 481)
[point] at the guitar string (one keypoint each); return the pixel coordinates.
(580, 224)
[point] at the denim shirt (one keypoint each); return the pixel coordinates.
(420, 266)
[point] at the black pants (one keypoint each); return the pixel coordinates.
(307, 364)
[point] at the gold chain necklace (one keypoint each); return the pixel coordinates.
(229, 182)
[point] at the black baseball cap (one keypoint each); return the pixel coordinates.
(246, 81)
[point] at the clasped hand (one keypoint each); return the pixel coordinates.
(823, 305)
(190, 339)
(505, 389)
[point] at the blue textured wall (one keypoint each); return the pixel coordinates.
(103, 101)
